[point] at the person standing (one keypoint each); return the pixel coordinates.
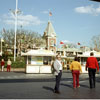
(58, 72)
(92, 64)
(2, 65)
(75, 67)
(8, 65)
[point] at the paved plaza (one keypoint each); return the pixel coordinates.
(18, 85)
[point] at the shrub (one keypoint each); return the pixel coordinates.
(18, 64)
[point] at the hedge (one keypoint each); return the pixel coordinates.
(19, 63)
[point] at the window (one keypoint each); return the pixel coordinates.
(36, 60)
(46, 60)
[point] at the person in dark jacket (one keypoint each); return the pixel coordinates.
(92, 65)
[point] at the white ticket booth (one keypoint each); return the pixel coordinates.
(38, 61)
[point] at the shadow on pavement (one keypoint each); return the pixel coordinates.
(19, 72)
(31, 80)
(66, 79)
(85, 86)
(98, 79)
(25, 80)
(48, 88)
(70, 86)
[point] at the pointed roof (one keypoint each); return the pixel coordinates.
(49, 31)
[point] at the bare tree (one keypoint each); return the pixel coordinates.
(96, 42)
(25, 40)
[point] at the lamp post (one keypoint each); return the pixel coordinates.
(15, 29)
(15, 14)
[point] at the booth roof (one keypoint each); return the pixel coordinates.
(38, 53)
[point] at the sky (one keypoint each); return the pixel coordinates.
(73, 20)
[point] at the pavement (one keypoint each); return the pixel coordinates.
(18, 85)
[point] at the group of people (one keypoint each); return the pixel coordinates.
(8, 65)
(76, 69)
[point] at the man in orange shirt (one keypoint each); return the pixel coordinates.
(92, 64)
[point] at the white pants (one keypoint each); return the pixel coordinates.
(2, 68)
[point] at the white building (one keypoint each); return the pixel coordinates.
(38, 61)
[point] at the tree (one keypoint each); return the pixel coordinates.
(24, 40)
(96, 42)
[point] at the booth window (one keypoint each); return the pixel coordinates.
(37, 60)
(46, 60)
(29, 60)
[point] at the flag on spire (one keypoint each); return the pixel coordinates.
(78, 43)
(61, 42)
(50, 13)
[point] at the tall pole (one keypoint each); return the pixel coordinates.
(1, 46)
(15, 29)
(49, 14)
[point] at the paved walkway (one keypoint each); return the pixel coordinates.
(18, 85)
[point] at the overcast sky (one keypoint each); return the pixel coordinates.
(73, 20)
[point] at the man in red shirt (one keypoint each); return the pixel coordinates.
(92, 64)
